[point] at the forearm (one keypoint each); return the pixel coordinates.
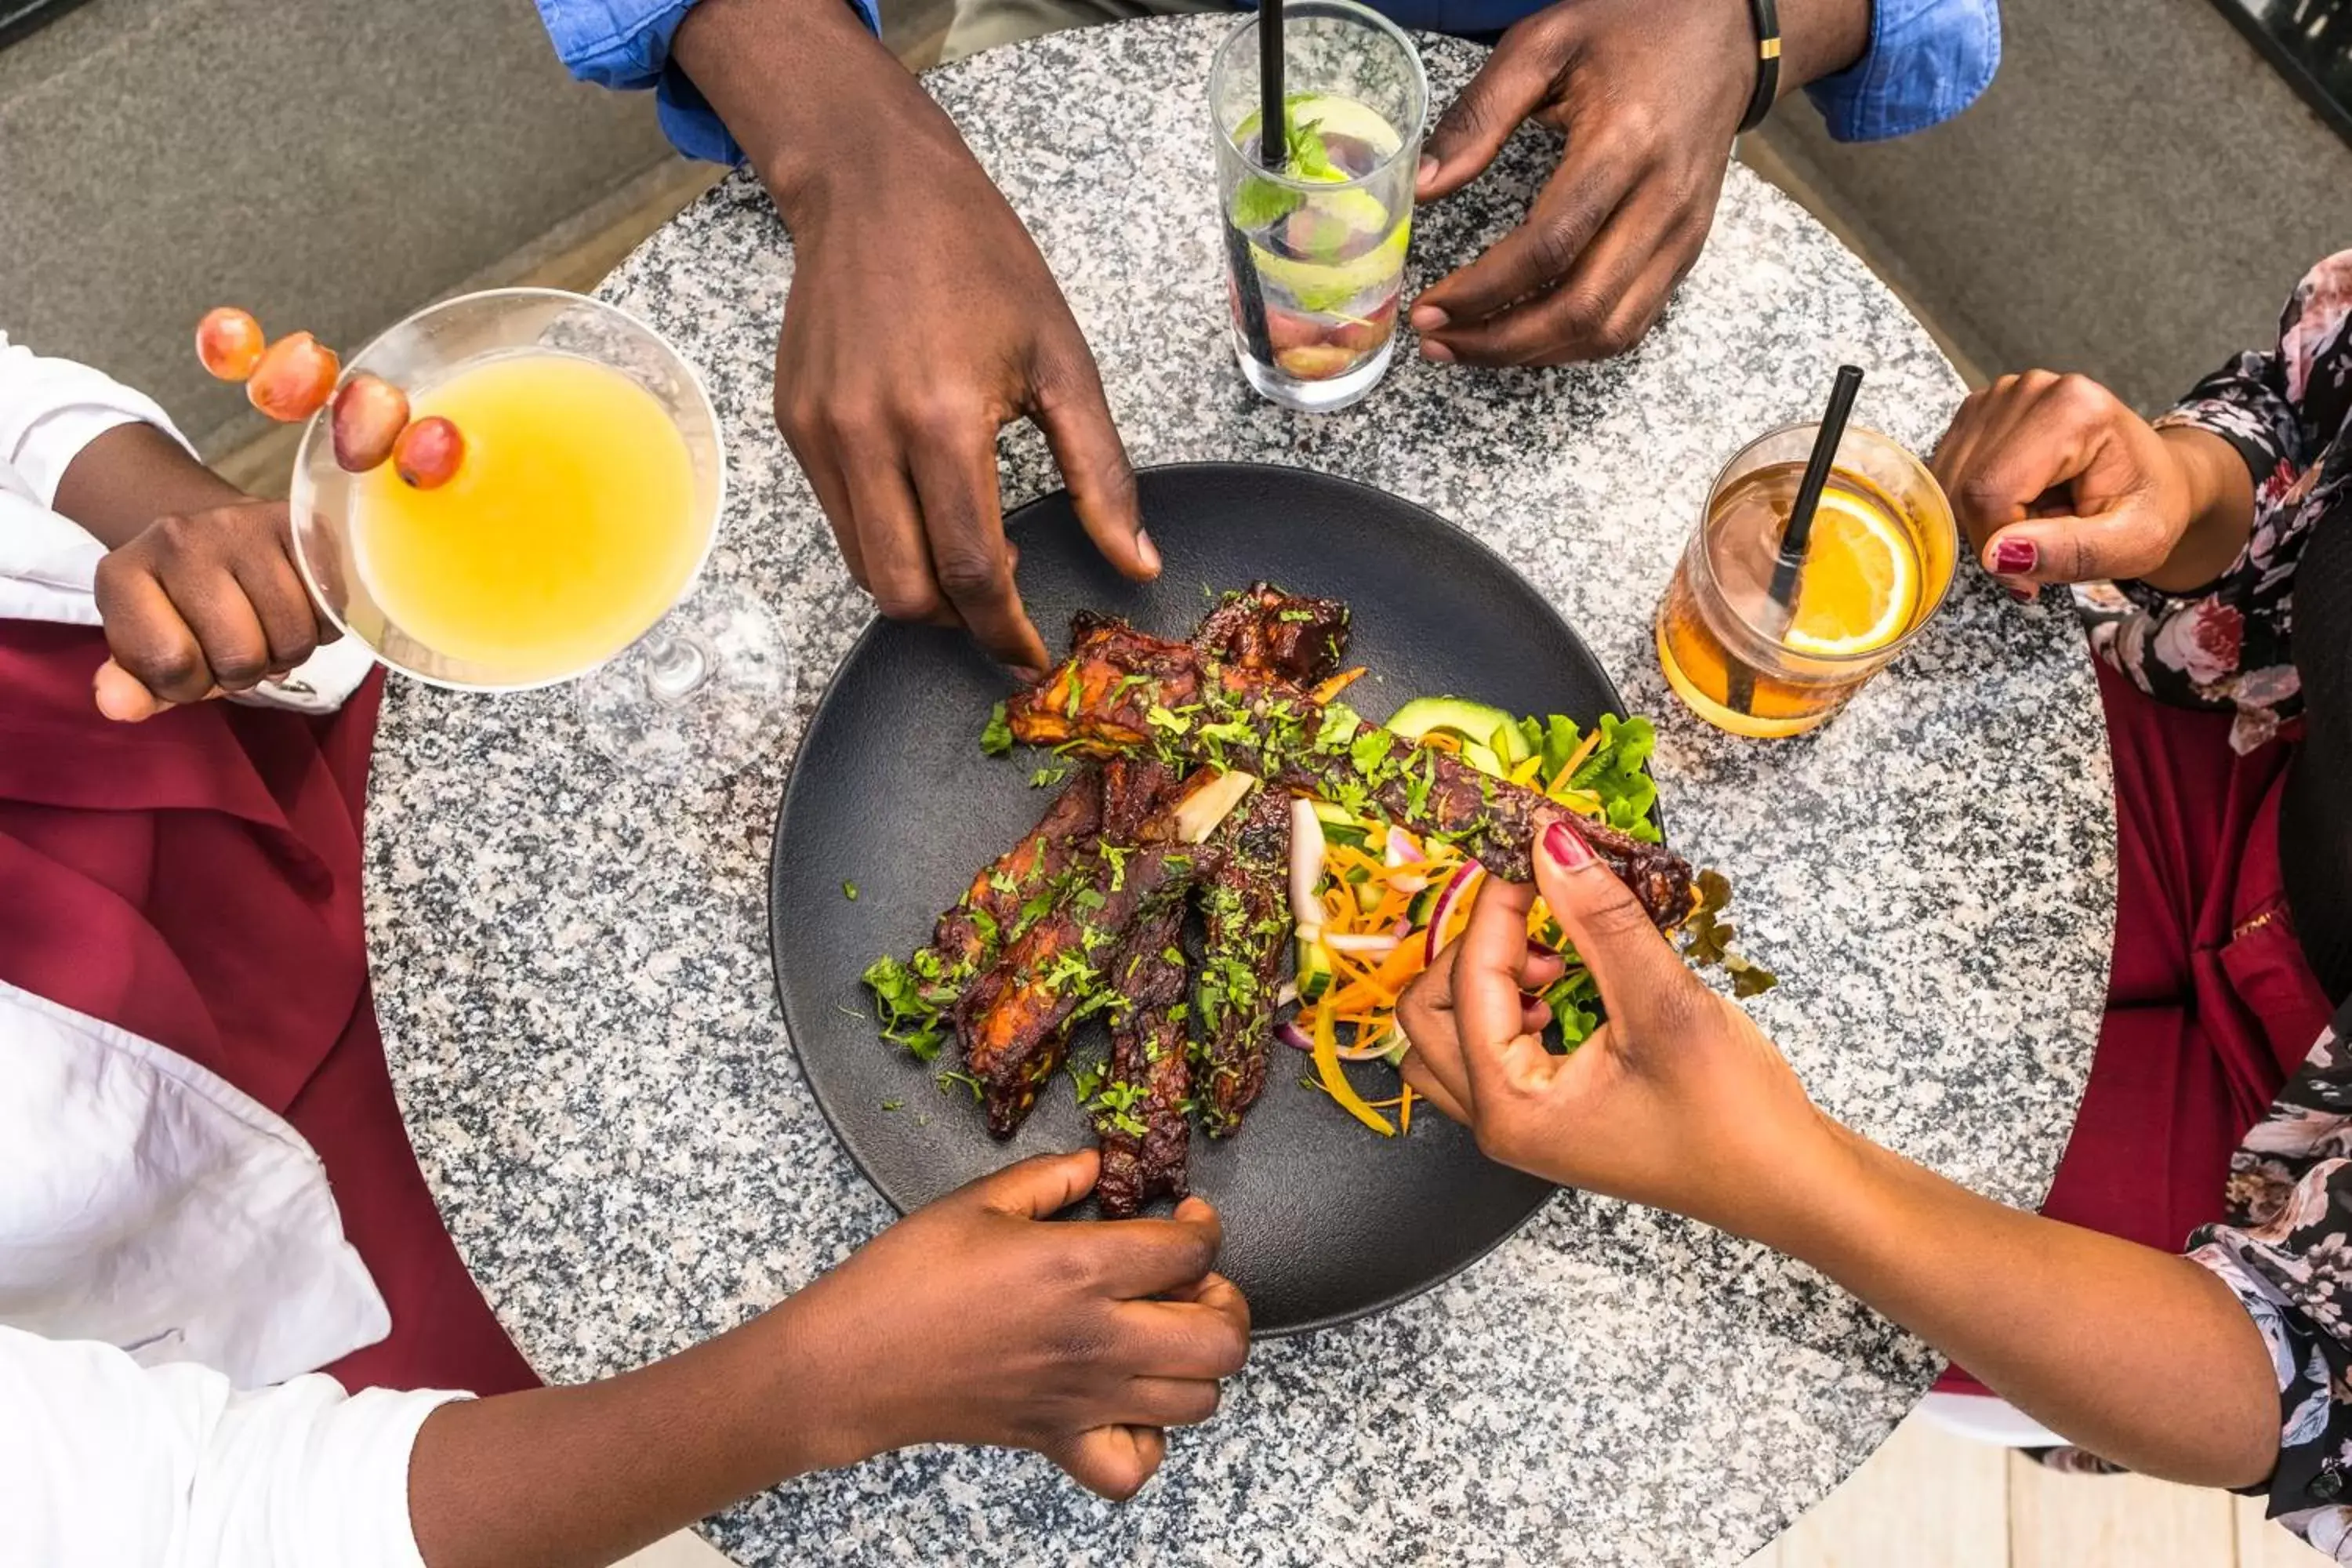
(586, 1475)
(1819, 38)
(2140, 1356)
(130, 475)
(2222, 509)
(814, 100)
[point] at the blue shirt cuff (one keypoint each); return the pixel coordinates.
(625, 44)
(1927, 60)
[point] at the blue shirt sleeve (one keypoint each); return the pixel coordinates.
(1929, 59)
(625, 44)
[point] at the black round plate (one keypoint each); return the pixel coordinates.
(1324, 1219)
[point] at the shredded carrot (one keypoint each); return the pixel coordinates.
(1337, 684)
(1335, 1082)
(1576, 758)
(1404, 1112)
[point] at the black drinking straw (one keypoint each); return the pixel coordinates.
(1797, 533)
(1273, 152)
(1272, 124)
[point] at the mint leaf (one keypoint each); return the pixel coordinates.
(1260, 204)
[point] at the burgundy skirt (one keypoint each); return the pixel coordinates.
(196, 879)
(2211, 1004)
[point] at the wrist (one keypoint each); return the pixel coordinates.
(811, 98)
(822, 1408)
(2215, 492)
(1796, 1198)
(126, 478)
(1819, 38)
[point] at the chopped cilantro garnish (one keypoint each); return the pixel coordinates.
(996, 738)
(1340, 726)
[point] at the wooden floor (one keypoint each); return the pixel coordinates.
(1930, 1499)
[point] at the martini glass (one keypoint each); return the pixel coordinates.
(567, 545)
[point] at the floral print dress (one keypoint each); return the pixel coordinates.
(2286, 1252)
(2227, 646)
(2285, 1249)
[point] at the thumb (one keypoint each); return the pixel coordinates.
(121, 698)
(1068, 405)
(1112, 1461)
(1038, 1187)
(1509, 86)
(1637, 970)
(2128, 541)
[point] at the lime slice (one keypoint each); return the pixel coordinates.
(1339, 116)
(1327, 284)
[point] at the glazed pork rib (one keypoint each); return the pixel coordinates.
(1139, 1115)
(1289, 635)
(1014, 1021)
(1245, 906)
(969, 935)
(1123, 691)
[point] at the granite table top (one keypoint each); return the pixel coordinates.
(572, 965)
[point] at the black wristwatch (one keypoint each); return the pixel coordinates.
(1768, 64)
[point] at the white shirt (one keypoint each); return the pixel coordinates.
(165, 1240)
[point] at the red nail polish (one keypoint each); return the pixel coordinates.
(2014, 557)
(1567, 847)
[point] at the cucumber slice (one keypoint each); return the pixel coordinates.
(1314, 971)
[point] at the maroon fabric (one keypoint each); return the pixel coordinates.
(196, 879)
(2211, 1003)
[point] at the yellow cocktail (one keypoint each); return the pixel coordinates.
(588, 480)
(568, 529)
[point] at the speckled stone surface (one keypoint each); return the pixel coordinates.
(573, 968)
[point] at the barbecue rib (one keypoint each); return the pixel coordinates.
(969, 935)
(1290, 635)
(1014, 1021)
(1140, 1114)
(1123, 691)
(1246, 903)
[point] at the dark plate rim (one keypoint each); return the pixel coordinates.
(874, 627)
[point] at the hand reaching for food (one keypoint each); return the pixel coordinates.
(2055, 480)
(200, 605)
(976, 1320)
(1678, 1100)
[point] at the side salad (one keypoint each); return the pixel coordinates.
(1375, 904)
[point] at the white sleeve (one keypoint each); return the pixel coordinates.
(51, 408)
(105, 1464)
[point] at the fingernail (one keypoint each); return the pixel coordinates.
(2022, 596)
(1027, 674)
(1427, 317)
(1431, 349)
(1567, 847)
(2014, 557)
(1147, 552)
(1426, 170)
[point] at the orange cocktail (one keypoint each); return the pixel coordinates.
(1879, 565)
